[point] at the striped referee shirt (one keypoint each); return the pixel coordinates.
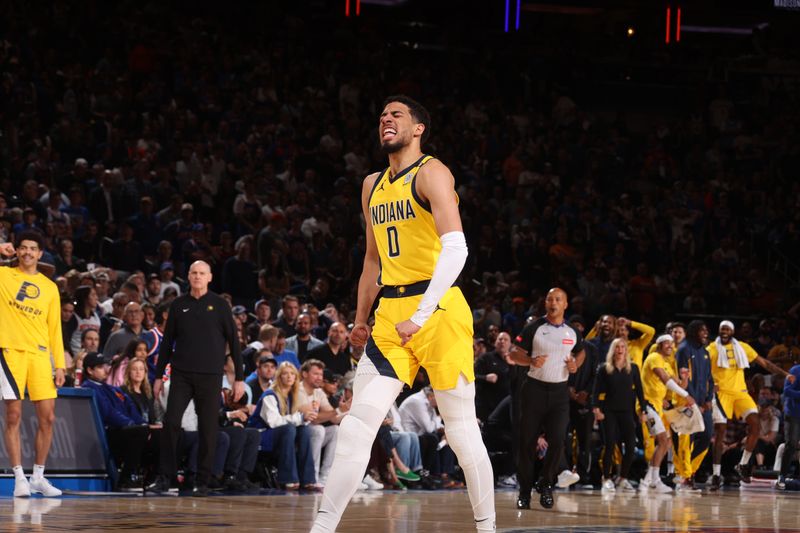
(557, 342)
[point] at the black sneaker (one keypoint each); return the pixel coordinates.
(231, 484)
(523, 502)
(744, 472)
(715, 483)
(249, 486)
(546, 495)
(200, 491)
(160, 486)
(131, 483)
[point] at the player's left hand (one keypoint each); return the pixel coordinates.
(405, 330)
(60, 376)
(238, 390)
(572, 364)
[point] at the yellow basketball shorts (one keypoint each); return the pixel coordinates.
(736, 404)
(20, 370)
(443, 346)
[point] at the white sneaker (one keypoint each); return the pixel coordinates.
(661, 488)
(363, 486)
(567, 478)
(625, 486)
(646, 482)
(43, 487)
(608, 487)
(22, 488)
(371, 483)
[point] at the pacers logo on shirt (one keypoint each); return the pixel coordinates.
(28, 290)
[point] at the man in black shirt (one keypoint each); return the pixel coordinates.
(334, 352)
(199, 327)
(290, 309)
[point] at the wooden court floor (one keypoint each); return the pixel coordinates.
(407, 512)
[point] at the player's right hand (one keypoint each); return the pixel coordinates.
(539, 360)
(7, 249)
(360, 334)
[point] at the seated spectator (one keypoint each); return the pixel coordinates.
(127, 431)
(85, 316)
(244, 443)
(418, 414)
(135, 349)
(262, 378)
(130, 330)
(281, 416)
(769, 426)
(325, 427)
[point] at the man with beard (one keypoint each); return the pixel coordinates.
(415, 248)
(303, 342)
(729, 358)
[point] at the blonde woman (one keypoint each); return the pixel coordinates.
(283, 421)
(617, 386)
(138, 388)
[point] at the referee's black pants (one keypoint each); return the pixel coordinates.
(543, 407)
(204, 389)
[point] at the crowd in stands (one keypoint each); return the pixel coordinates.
(160, 137)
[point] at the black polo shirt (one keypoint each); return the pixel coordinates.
(196, 334)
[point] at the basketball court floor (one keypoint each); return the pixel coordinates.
(735, 510)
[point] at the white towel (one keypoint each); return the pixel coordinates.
(738, 354)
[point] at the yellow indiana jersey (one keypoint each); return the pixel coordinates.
(30, 314)
(405, 232)
(731, 379)
(654, 389)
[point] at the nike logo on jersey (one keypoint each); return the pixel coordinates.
(185, 310)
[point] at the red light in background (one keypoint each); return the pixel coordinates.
(678, 26)
(666, 39)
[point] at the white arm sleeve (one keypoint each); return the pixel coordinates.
(448, 267)
(674, 387)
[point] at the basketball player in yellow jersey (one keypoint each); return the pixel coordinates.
(415, 250)
(729, 357)
(658, 384)
(30, 315)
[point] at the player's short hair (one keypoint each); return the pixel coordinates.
(30, 235)
(417, 110)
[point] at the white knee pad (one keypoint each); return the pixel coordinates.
(354, 438)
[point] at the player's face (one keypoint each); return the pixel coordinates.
(397, 127)
(667, 348)
(678, 333)
(725, 334)
(702, 335)
(607, 325)
(29, 253)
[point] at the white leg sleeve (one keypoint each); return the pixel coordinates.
(457, 407)
(372, 397)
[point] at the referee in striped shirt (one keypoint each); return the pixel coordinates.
(552, 349)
